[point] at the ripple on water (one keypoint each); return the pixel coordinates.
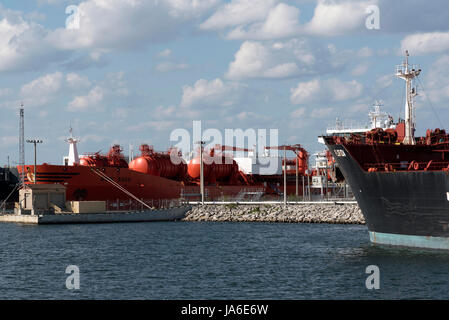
(201, 260)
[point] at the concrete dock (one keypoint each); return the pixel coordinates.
(171, 214)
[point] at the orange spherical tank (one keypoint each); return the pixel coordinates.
(94, 161)
(224, 168)
(159, 165)
(194, 168)
(142, 164)
(167, 168)
(215, 168)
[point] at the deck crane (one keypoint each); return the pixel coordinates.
(301, 160)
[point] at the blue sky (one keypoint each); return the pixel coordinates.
(135, 70)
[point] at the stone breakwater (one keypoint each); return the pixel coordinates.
(294, 213)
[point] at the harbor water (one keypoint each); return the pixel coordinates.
(212, 260)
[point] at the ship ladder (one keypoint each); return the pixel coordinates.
(118, 186)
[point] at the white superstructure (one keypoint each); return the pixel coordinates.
(378, 119)
(257, 164)
(73, 150)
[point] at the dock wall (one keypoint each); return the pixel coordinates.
(341, 213)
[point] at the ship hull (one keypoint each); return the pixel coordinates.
(8, 181)
(83, 184)
(400, 208)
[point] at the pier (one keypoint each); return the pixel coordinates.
(171, 214)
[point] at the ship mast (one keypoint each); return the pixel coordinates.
(22, 144)
(406, 73)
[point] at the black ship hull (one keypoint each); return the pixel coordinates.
(400, 208)
(8, 181)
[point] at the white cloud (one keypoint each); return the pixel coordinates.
(46, 88)
(104, 26)
(112, 88)
(76, 81)
(282, 21)
(43, 86)
(87, 102)
(238, 12)
(126, 24)
(436, 83)
(22, 44)
(385, 81)
(344, 90)
(115, 84)
(212, 93)
(338, 17)
(265, 19)
(333, 90)
(426, 43)
(190, 8)
(291, 58)
(305, 92)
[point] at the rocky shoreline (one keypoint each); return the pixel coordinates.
(336, 213)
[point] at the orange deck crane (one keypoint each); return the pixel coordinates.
(300, 162)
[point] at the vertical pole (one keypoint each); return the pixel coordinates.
(303, 190)
(285, 179)
(35, 167)
(308, 187)
(22, 145)
(297, 191)
(201, 173)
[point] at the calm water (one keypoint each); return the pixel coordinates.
(184, 260)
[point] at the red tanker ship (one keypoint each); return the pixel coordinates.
(154, 176)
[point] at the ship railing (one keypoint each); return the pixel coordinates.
(430, 165)
(401, 68)
(255, 193)
(133, 205)
(348, 125)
